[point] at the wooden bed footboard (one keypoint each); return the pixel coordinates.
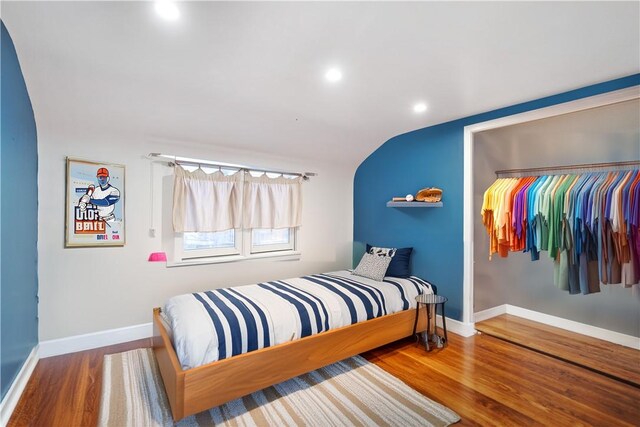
(197, 389)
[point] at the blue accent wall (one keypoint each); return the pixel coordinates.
(432, 157)
(18, 218)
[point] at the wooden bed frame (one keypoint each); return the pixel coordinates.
(204, 387)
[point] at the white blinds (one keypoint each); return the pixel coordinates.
(272, 202)
(206, 202)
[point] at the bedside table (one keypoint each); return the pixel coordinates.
(431, 302)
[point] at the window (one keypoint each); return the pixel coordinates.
(200, 245)
(215, 240)
(248, 216)
(272, 239)
(232, 243)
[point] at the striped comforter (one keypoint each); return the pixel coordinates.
(217, 324)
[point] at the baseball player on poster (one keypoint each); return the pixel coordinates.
(103, 198)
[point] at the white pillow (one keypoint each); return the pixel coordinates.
(373, 266)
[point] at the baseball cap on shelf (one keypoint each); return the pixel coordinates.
(102, 172)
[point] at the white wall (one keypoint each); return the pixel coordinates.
(84, 290)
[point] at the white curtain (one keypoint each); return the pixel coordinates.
(206, 202)
(272, 202)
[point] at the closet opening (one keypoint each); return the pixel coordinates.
(602, 128)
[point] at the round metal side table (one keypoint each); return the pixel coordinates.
(431, 303)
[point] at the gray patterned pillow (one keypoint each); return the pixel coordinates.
(373, 266)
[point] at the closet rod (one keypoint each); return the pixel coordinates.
(566, 168)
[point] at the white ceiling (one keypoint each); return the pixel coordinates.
(250, 75)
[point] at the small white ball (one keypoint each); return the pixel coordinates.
(409, 198)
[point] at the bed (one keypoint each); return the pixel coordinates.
(216, 346)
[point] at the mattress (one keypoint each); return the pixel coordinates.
(221, 323)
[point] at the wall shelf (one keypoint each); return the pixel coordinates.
(414, 205)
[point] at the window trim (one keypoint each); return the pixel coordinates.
(276, 256)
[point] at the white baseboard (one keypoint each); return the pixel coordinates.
(559, 322)
(489, 313)
(457, 327)
(580, 328)
(94, 340)
(12, 397)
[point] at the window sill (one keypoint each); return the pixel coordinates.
(276, 256)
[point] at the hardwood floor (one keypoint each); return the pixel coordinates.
(610, 359)
(65, 390)
(484, 379)
(489, 382)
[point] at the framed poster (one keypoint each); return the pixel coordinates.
(94, 204)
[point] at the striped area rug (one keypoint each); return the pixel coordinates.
(351, 392)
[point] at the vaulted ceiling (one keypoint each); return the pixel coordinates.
(251, 75)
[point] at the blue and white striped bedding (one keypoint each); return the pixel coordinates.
(217, 324)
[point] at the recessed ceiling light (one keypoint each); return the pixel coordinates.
(420, 107)
(167, 10)
(333, 75)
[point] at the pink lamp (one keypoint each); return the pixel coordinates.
(158, 257)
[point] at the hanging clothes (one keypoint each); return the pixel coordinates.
(587, 223)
